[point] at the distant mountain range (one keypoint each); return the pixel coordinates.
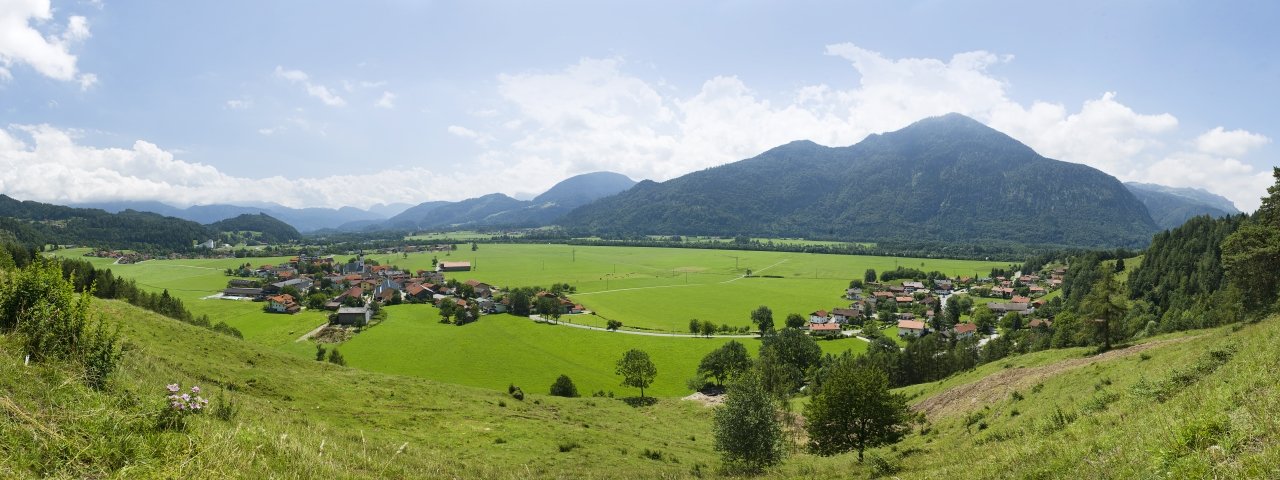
(1171, 207)
(942, 179)
(948, 179)
(497, 209)
(303, 219)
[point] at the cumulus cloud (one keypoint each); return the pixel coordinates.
(48, 54)
(316, 90)
(388, 100)
(594, 116)
(44, 163)
(1229, 143)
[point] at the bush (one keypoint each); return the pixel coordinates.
(518, 394)
(335, 357)
(319, 352)
(564, 387)
(225, 408)
(53, 322)
(568, 446)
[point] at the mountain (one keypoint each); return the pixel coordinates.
(498, 209)
(586, 188)
(947, 178)
(1171, 207)
(270, 230)
(39, 223)
(303, 219)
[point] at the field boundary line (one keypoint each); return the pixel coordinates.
(734, 279)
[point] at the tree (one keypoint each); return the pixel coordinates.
(762, 317)
(474, 246)
(1105, 303)
(613, 325)
(869, 276)
(748, 434)
(726, 362)
(564, 387)
(694, 326)
(708, 328)
(795, 320)
(637, 370)
(795, 350)
(549, 309)
(1119, 265)
(319, 352)
(854, 410)
(1251, 254)
(520, 302)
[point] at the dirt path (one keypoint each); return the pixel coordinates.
(307, 335)
(539, 319)
(999, 386)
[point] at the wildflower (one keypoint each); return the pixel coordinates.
(173, 388)
(195, 389)
(186, 398)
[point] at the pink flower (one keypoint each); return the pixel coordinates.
(195, 389)
(186, 398)
(173, 387)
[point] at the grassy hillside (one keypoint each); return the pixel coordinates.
(1192, 405)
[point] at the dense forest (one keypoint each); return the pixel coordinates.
(268, 228)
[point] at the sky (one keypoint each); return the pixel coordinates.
(328, 104)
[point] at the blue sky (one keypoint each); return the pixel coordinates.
(328, 104)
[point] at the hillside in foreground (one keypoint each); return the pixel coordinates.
(1191, 405)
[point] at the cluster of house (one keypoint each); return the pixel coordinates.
(911, 295)
(359, 284)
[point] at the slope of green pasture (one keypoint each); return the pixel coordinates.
(500, 350)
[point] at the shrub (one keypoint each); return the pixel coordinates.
(518, 394)
(564, 387)
(319, 352)
(225, 408)
(652, 454)
(335, 357)
(568, 446)
(53, 322)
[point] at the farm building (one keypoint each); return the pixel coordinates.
(242, 292)
(358, 316)
(455, 266)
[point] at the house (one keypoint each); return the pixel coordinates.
(902, 300)
(358, 316)
(844, 315)
(242, 292)
(964, 330)
(819, 316)
(282, 304)
(1040, 323)
(385, 295)
(824, 328)
(455, 266)
(302, 284)
(1019, 299)
(912, 286)
(481, 289)
(880, 295)
(906, 316)
(434, 277)
(417, 292)
(911, 328)
(1008, 307)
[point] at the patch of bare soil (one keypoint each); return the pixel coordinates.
(1000, 385)
(706, 400)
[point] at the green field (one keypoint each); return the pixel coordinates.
(500, 350)
(191, 280)
(662, 288)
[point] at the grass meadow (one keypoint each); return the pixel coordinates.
(500, 350)
(662, 288)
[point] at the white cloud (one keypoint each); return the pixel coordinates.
(44, 163)
(387, 100)
(49, 55)
(593, 116)
(313, 89)
(1229, 143)
(239, 104)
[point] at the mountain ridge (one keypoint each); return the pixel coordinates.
(942, 178)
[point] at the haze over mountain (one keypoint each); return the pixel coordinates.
(1170, 207)
(499, 209)
(303, 219)
(947, 178)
